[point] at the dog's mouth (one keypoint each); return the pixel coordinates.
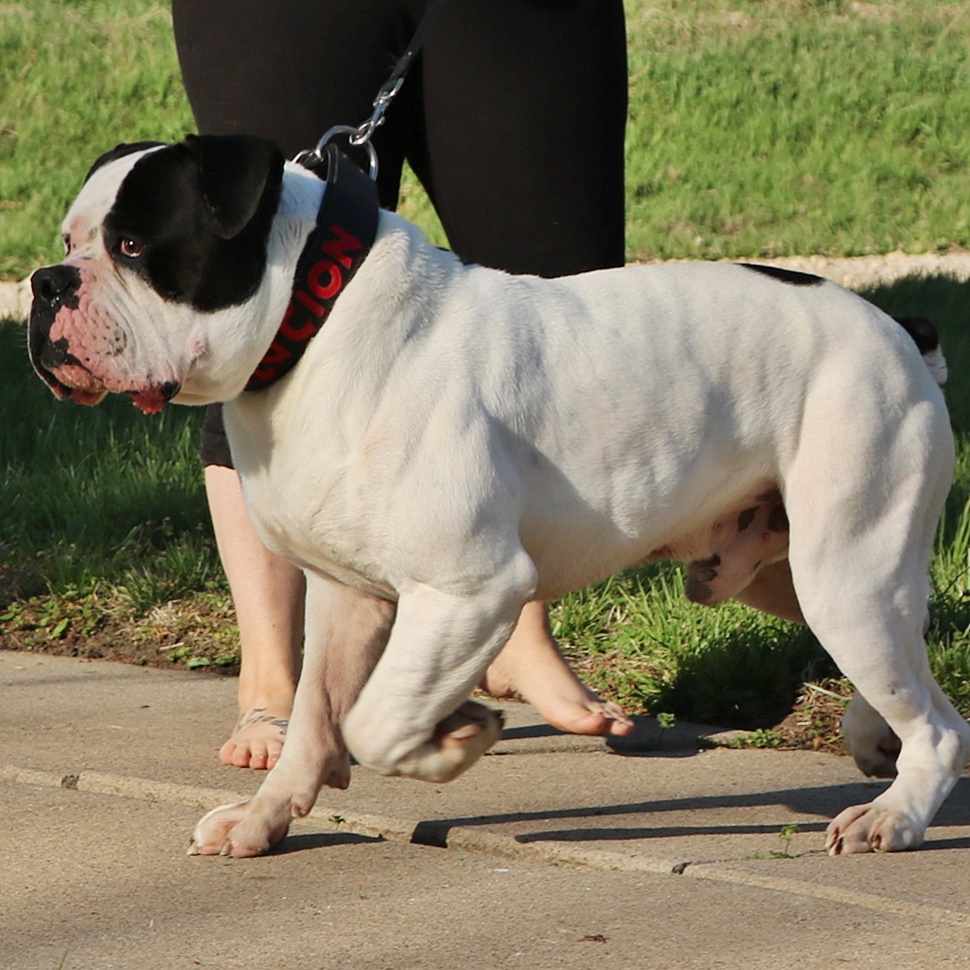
(65, 375)
(70, 380)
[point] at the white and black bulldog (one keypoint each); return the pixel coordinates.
(455, 441)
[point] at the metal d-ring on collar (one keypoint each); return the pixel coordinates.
(360, 137)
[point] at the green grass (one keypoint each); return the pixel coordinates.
(761, 128)
(787, 128)
(756, 128)
(98, 496)
(76, 78)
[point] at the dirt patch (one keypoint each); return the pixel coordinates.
(815, 722)
(198, 633)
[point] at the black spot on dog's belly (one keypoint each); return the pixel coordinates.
(697, 592)
(700, 574)
(790, 276)
(705, 569)
(746, 518)
(778, 519)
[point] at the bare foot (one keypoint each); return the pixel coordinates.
(257, 739)
(268, 594)
(531, 667)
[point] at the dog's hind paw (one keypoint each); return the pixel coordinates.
(870, 828)
(458, 742)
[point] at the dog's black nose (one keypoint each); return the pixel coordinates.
(52, 284)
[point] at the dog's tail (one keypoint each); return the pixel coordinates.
(928, 341)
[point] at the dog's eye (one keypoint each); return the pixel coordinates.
(130, 248)
(66, 239)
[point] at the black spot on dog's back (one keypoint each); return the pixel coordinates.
(790, 276)
(922, 331)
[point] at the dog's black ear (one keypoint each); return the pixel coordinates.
(235, 174)
(119, 151)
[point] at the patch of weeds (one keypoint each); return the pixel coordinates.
(787, 833)
(222, 660)
(187, 655)
(55, 617)
(666, 722)
(760, 738)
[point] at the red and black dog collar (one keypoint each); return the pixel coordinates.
(346, 226)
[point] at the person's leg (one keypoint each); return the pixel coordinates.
(532, 668)
(268, 593)
(525, 108)
(286, 70)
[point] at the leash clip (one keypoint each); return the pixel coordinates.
(381, 103)
(359, 137)
(313, 158)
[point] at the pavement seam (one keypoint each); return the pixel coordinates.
(469, 838)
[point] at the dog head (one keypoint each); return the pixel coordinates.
(160, 238)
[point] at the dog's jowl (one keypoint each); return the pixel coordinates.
(454, 441)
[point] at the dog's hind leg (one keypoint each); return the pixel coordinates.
(861, 540)
(345, 633)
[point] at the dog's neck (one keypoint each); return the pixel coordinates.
(344, 233)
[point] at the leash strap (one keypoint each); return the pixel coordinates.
(345, 231)
(403, 65)
(360, 137)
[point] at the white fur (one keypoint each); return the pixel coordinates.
(457, 441)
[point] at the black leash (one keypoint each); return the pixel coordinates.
(360, 137)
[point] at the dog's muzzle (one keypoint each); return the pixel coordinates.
(53, 287)
(58, 288)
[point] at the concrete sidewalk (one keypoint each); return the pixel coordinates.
(553, 852)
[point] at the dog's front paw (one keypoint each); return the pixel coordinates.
(239, 830)
(458, 742)
(871, 828)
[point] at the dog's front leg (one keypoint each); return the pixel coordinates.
(345, 633)
(409, 719)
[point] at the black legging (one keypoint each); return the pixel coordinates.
(513, 116)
